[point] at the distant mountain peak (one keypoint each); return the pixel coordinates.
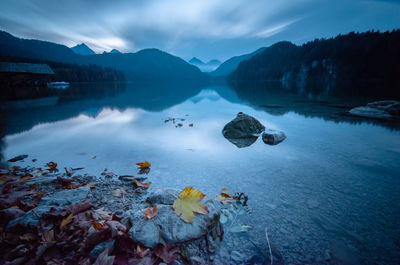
(205, 67)
(82, 49)
(114, 51)
(214, 62)
(196, 61)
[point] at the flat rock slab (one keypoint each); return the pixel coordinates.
(385, 109)
(369, 112)
(273, 137)
(57, 200)
(167, 227)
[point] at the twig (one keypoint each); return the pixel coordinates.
(269, 246)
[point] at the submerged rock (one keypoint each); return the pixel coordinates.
(273, 137)
(18, 158)
(386, 109)
(167, 227)
(243, 130)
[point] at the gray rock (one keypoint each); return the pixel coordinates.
(58, 200)
(273, 137)
(243, 130)
(242, 126)
(167, 227)
(161, 197)
(386, 109)
(237, 257)
(390, 106)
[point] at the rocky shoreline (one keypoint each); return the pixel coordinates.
(52, 217)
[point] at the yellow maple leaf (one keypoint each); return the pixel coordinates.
(189, 203)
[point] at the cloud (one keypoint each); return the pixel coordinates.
(204, 28)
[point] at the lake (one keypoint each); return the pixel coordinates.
(331, 190)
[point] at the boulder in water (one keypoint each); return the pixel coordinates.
(243, 130)
(273, 137)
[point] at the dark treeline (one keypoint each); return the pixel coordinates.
(74, 72)
(355, 63)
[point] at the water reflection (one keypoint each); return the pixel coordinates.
(275, 99)
(328, 182)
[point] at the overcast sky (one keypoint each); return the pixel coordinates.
(203, 28)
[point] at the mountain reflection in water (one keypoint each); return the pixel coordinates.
(330, 189)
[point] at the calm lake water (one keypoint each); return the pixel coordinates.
(330, 190)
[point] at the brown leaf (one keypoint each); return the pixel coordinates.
(142, 252)
(52, 166)
(48, 236)
(117, 229)
(79, 207)
(141, 185)
(150, 213)
(66, 221)
(104, 259)
(96, 237)
(166, 253)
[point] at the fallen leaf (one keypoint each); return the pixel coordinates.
(166, 253)
(145, 170)
(118, 193)
(26, 176)
(79, 207)
(16, 167)
(104, 259)
(142, 252)
(225, 197)
(48, 236)
(144, 164)
(52, 166)
(188, 203)
(97, 225)
(66, 221)
(150, 213)
(3, 180)
(117, 229)
(191, 125)
(101, 214)
(141, 185)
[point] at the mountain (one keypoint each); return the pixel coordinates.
(146, 64)
(353, 64)
(82, 49)
(205, 67)
(112, 51)
(230, 65)
(196, 61)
